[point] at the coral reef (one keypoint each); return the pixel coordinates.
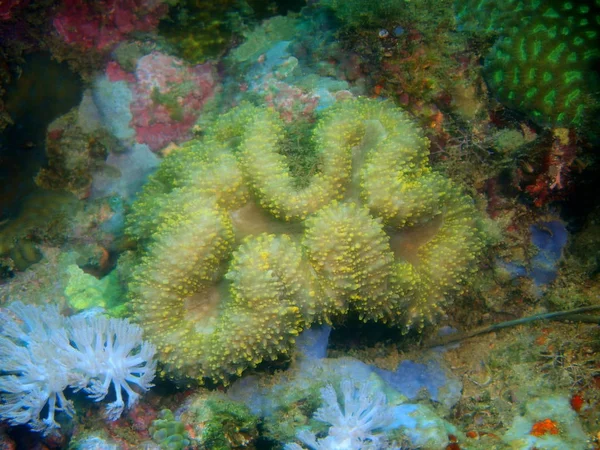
(280, 64)
(101, 25)
(94, 443)
(84, 291)
(158, 103)
(411, 51)
(199, 30)
(380, 405)
(219, 423)
(364, 13)
(261, 39)
(169, 432)
(374, 232)
(168, 98)
(73, 155)
(39, 90)
(42, 218)
(294, 64)
(262, 223)
(355, 423)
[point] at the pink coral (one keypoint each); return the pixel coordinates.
(103, 24)
(167, 98)
(291, 101)
(115, 72)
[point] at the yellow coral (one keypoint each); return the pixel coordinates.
(351, 254)
(375, 232)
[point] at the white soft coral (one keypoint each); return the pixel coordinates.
(112, 352)
(36, 362)
(42, 354)
(357, 426)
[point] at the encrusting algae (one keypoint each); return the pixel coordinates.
(240, 259)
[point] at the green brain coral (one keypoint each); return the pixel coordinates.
(544, 60)
(240, 257)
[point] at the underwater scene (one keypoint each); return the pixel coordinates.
(299, 224)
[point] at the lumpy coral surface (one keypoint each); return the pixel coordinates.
(240, 256)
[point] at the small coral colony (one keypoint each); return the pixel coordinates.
(300, 224)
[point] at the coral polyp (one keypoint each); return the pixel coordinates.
(241, 256)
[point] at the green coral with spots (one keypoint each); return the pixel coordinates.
(240, 257)
(544, 59)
